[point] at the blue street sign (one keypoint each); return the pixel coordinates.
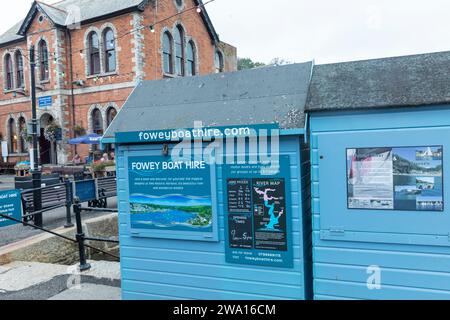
(45, 102)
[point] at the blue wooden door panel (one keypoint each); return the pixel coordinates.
(389, 276)
(333, 184)
(361, 291)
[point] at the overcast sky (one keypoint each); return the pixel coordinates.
(324, 30)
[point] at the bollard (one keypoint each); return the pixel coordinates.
(69, 200)
(80, 236)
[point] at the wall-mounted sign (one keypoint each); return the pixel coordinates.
(200, 133)
(45, 102)
(11, 206)
(172, 199)
(404, 178)
(258, 216)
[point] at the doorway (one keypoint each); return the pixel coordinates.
(47, 149)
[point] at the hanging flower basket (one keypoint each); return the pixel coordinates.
(51, 131)
(25, 136)
(79, 131)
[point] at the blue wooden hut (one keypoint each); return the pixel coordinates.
(380, 143)
(193, 229)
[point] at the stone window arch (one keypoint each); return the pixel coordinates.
(44, 65)
(111, 113)
(9, 73)
(21, 126)
(93, 40)
(20, 80)
(179, 42)
(191, 58)
(97, 121)
(167, 52)
(218, 61)
(12, 136)
(109, 50)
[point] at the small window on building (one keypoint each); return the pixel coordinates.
(218, 62)
(19, 70)
(94, 53)
(22, 143)
(9, 72)
(97, 122)
(12, 143)
(191, 55)
(179, 4)
(109, 43)
(110, 115)
(167, 53)
(179, 51)
(43, 61)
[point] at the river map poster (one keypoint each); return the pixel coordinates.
(173, 196)
(403, 178)
(258, 217)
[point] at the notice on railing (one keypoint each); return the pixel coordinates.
(10, 206)
(401, 178)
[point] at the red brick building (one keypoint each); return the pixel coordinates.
(90, 55)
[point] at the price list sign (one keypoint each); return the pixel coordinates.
(258, 218)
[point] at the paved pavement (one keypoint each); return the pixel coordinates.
(52, 219)
(39, 281)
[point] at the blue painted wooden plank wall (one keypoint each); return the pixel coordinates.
(413, 266)
(173, 269)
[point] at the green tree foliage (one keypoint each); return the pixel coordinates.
(247, 63)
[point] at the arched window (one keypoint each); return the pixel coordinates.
(9, 72)
(218, 62)
(22, 143)
(97, 122)
(179, 51)
(191, 55)
(12, 136)
(19, 70)
(109, 47)
(94, 53)
(110, 115)
(43, 61)
(167, 53)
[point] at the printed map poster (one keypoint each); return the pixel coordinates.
(403, 178)
(172, 196)
(258, 218)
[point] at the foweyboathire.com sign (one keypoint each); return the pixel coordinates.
(10, 206)
(197, 133)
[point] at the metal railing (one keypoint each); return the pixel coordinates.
(80, 237)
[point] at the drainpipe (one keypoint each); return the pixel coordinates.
(72, 96)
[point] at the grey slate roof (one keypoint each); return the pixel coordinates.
(391, 82)
(260, 96)
(11, 35)
(90, 10)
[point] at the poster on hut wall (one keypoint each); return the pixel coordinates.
(258, 219)
(169, 195)
(403, 178)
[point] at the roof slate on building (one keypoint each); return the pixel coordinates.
(260, 96)
(89, 10)
(380, 83)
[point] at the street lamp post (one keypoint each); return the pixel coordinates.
(36, 173)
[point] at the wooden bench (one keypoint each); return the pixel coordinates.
(7, 168)
(107, 188)
(52, 196)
